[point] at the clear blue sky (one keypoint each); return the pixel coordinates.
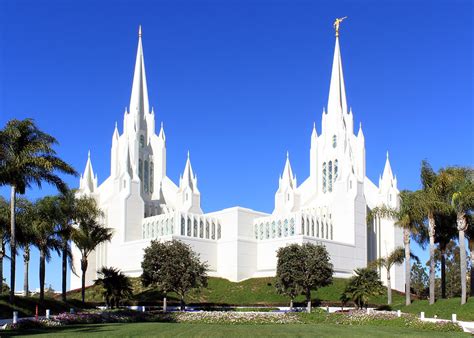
(239, 83)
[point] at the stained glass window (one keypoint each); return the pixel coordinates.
(324, 177)
(330, 177)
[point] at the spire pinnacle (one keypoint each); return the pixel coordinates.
(139, 31)
(337, 102)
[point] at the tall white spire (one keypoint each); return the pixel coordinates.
(337, 92)
(188, 179)
(139, 105)
(387, 170)
(88, 182)
(287, 179)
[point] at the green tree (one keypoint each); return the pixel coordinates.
(317, 270)
(419, 280)
(88, 234)
(365, 284)
(27, 158)
(432, 202)
(409, 216)
(45, 233)
(173, 267)
(289, 271)
(25, 236)
(459, 182)
(68, 211)
(397, 256)
(116, 286)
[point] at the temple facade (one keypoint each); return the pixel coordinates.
(141, 203)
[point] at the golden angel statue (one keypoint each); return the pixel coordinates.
(336, 24)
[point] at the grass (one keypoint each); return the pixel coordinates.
(26, 306)
(219, 330)
(443, 308)
(255, 291)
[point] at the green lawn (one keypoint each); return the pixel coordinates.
(219, 330)
(255, 291)
(443, 308)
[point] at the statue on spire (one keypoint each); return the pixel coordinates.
(336, 24)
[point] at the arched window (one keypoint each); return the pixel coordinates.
(146, 177)
(336, 169)
(292, 226)
(324, 177)
(302, 225)
(255, 229)
(334, 141)
(322, 230)
(207, 229)
(152, 177)
(183, 226)
(142, 141)
(195, 229)
(330, 177)
(285, 228)
(273, 229)
(267, 231)
(331, 232)
(214, 231)
(261, 231)
(188, 230)
(279, 229)
(218, 231)
(201, 229)
(312, 227)
(317, 228)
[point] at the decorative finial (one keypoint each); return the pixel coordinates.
(287, 155)
(188, 154)
(360, 125)
(314, 125)
(336, 24)
(140, 31)
(115, 124)
(89, 154)
(161, 124)
(387, 154)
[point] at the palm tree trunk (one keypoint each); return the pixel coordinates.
(471, 248)
(26, 262)
(389, 288)
(165, 304)
(406, 241)
(12, 244)
(443, 273)
(432, 227)
(461, 220)
(83, 281)
(42, 273)
(64, 271)
(2, 254)
(291, 304)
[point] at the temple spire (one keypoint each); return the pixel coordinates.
(337, 102)
(139, 98)
(387, 171)
(287, 179)
(188, 179)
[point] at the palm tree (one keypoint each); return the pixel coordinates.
(67, 206)
(431, 202)
(115, 284)
(459, 182)
(470, 237)
(364, 284)
(408, 217)
(397, 256)
(4, 234)
(24, 235)
(88, 234)
(45, 233)
(27, 158)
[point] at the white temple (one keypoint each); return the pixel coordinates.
(141, 202)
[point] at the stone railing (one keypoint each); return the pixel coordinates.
(310, 222)
(181, 224)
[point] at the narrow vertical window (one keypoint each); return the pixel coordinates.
(183, 226)
(146, 177)
(285, 228)
(279, 229)
(273, 229)
(255, 229)
(292, 226)
(324, 177)
(201, 229)
(330, 176)
(195, 229)
(207, 228)
(214, 231)
(334, 141)
(152, 177)
(188, 232)
(218, 231)
(312, 227)
(140, 169)
(142, 141)
(336, 169)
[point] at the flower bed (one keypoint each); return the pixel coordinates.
(214, 317)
